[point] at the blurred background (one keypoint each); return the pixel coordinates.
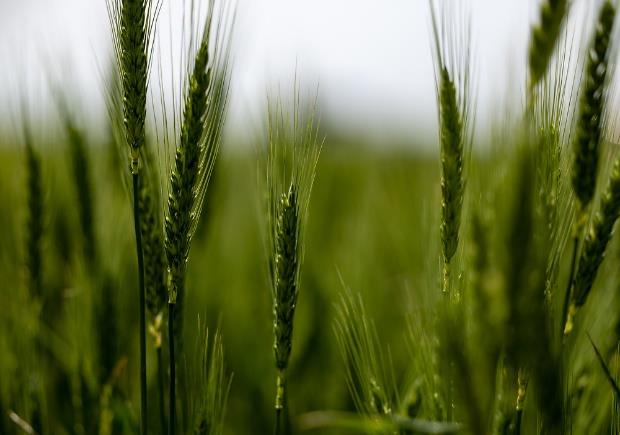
(371, 60)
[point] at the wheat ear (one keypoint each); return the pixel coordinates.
(291, 164)
(451, 52)
(544, 37)
(196, 151)
(133, 23)
(592, 108)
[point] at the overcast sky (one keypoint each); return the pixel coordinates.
(371, 58)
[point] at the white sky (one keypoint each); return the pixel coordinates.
(371, 58)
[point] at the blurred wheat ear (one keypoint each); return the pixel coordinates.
(152, 237)
(592, 107)
(154, 265)
(293, 153)
(210, 384)
(544, 37)
(34, 232)
(528, 340)
(588, 137)
(196, 150)
(83, 181)
(595, 244)
(452, 55)
(34, 222)
(366, 371)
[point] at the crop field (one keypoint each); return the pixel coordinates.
(161, 279)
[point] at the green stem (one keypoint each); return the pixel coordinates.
(569, 285)
(136, 219)
(580, 224)
(172, 386)
(161, 380)
(519, 419)
(282, 423)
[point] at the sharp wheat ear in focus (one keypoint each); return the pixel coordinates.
(294, 149)
(204, 112)
(544, 37)
(133, 23)
(197, 147)
(451, 50)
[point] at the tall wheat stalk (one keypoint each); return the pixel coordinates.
(204, 112)
(293, 153)
(133, 23)
(452, 55)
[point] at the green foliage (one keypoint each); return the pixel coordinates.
(489, 359)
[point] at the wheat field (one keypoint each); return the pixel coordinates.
(159, 279)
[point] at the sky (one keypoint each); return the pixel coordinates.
(370, 59)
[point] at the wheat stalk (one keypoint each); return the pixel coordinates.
(293, 153)
(196, 151)
(153, 241)
(451, 51)
(132, 23)
(592, 112)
